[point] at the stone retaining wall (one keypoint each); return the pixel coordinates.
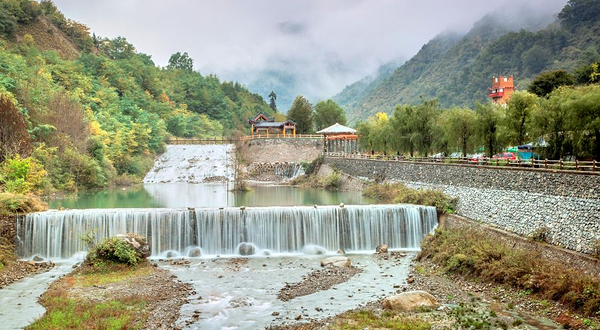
(291, 150)
(566, 205)
(273, 172)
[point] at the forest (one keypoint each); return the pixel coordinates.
(82, 111)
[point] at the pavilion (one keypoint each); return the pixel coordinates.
(340, 138)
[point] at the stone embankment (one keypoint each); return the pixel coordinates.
(276, 160)
(564, 206)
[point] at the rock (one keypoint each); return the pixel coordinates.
(138, 242)
(382, 248)
(410, 279)
(275, 314)
(246, 249)
(341, 251)
(171, 254)
(37, 258)
(194, 252)
(335, 262)
(314, 249)
(298, 317)
(408, 301)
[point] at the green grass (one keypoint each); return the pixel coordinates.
(399, 193)
(369, 320)
(65, 311)
(473, 253)
(68, 313)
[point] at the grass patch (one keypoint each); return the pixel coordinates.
(110, 272)
(18, 203)
(331, 182)
(399, 193)
(386, 320)
(470, 252)
(64, 311)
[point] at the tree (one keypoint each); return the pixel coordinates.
(328, 113)
(536, 59)
(423, 123)
(579, 12)
(118, 48)
(546, 82)
(180, 61)
(272, 99)
(588, 74)
(518, 116)
(301, 113)
(459, 127)
(402, 140)
(488, 120)
(14, 138)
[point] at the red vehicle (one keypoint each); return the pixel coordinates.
(506, 156)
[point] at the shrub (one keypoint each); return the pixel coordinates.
(332, 182)
(399, 193)
(473, 253)
(17, 203)
(312, 167)
(114, 249)
(542, 234)
(21, 175)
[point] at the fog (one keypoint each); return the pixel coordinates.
(308, 47)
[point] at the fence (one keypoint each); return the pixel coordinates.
(178, 141)
(223, 140)
(591, 166)
(281, 136)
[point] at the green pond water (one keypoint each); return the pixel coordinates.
(180, 195)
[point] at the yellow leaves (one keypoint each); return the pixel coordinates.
(381, 117)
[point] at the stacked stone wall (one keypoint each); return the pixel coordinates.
(564, 205)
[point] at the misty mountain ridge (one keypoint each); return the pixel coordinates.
(457, 68)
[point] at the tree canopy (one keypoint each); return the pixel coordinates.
(301, 112)
(328, 113)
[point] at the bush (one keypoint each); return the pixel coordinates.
(21, 176)
(312, 167)
(114, 249)
(399, 193)
(473, 253)
(17, 204)
(332, 182)
(542, 234)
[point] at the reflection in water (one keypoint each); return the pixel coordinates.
(181, 195)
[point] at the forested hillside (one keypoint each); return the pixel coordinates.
(458, 72)
(82, 111)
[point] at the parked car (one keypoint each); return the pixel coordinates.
(476, 158)
(506, 156)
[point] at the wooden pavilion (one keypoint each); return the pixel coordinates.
(340, 138)
(261, 124)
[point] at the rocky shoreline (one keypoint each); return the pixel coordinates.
(20, 269)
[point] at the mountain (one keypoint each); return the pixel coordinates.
(457, 70)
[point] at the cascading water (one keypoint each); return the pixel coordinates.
(289, 170)
(57, 234)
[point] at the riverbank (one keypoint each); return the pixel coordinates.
(119, 296)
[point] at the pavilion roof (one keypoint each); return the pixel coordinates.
(337, 129)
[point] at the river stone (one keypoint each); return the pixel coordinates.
(382, 248)
(408, 301)
(335, 262)
(246, 249)
(37, 258)
(314, 249)
(194, 252)
(138, 242)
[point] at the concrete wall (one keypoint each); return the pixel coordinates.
(268, 159)
(520, 201)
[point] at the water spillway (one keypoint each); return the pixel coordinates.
(58, 234)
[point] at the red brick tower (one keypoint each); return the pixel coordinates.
(502, 89)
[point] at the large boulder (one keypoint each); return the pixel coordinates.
(246, 249)
(335, 262)
(137, 242)
(408, 301)
(382, 248)
(194, 252)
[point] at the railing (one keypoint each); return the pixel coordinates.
(281, 136)
(177, 141)
(591, 166)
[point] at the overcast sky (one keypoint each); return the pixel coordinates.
(332, 42)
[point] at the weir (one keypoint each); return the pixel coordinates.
(58, 234)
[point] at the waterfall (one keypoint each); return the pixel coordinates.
(289, 171)
(57, 234)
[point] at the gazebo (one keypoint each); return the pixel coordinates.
(340, 138)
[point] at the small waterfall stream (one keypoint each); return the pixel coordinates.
(57, 234)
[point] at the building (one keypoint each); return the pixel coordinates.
(502, 89)
(339, 138)
(263, 125)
